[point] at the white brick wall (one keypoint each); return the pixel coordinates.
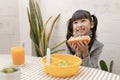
(9, 28)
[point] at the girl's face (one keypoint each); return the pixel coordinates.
(82, 27)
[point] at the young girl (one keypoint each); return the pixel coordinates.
(83, 23)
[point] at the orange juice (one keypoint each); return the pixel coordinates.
(18, 55)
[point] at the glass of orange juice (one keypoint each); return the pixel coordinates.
(18, 55)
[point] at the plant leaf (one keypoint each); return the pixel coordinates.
(53, 23)
(111, 66)
(32, 19)
(103, 65)
(37, 49)
(56, 51)
(39, 15)
(43, 42)
(47, 21)
(57, 45)
(39, 18)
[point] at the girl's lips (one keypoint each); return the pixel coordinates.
(80, 30)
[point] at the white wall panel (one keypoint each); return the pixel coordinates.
(9, 25)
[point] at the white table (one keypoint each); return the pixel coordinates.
(33, 70)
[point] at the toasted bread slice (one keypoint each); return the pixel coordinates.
(79, 38)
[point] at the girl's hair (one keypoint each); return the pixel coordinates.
(82, 14)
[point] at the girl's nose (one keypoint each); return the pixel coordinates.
(79, 25)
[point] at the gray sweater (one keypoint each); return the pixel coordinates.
(92, 59)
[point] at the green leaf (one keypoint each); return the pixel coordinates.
(33, 23)
(57, 45)
(40, 16)
(103, 65)
(43, 42)
(32, 31)
(47, 21)
(56, 51)
(53, 23)
(111, 66)
(39, 53)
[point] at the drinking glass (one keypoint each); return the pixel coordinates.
(18, 54)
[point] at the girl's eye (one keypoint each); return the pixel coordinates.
(75, 22)
(83, 20)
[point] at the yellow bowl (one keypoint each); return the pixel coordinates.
(73, 64)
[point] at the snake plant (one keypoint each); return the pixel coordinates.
(38, 34)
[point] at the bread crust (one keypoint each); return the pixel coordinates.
(80, 38)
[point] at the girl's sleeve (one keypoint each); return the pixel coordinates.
(92, 60)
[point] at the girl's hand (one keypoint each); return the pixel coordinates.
(80, 47)
(73, 46)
